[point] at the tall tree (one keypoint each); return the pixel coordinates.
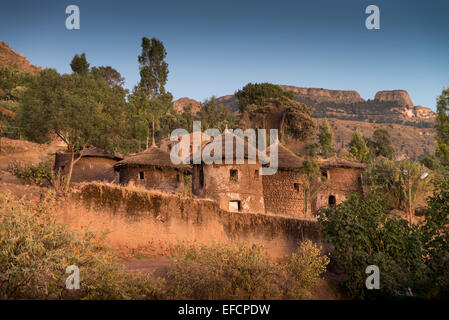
(150, 92)
(381, 144)
(312, 181)
(214, 115)
(80, 110)
(109, 74)
(325, 137)
(358, 147)
(79, 64)
(442, 128)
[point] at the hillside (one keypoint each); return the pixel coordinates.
(181, 103)
(11, 58)
(388, 106)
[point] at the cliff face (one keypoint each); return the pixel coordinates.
(347, 96)
(11, 58)
(399, 96)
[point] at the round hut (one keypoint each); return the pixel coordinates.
(236, 184)
(94, 165)
(342, 177)
(283, 191)
(152, 169)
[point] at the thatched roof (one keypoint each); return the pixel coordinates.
(286, 158)
(335, 162)
(93, 152)
(249, 151)
(153, 156)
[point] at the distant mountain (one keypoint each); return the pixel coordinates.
(11, 58)
(181, 103)
(389, 106)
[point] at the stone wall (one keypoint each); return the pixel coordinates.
(170, 218)
(284, 194)
(340, 182)
(153, 178)
(217, 185)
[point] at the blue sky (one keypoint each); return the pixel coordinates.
(216, 47)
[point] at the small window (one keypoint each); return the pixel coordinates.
(256, 175)
(169, 147)
(233, 175)
(141, 175)
(177, 177)
(62, 168)
(201, 176)
(332, 201)
(324, 174)
(296, 186)
(235, 206)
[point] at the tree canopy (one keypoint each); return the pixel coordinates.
(258, 94)
(79, 64)
(442, 128)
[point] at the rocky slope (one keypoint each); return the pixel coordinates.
(181, 103)
(11, 58)
(346, 96)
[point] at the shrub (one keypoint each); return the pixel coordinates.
(35, 252)
(225, 272)
(363, 233)
(40, 175)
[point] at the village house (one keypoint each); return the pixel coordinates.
(152, 169)
(94, 165)
(236, 187)
(283, 191)
(342, 177)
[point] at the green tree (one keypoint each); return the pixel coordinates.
(312, 180)
(214, 115)
(363, 233)
(80, 110)
(258, 94)
(358, 147)
(442, 128)
(79, 64)
(325, 137)
(153, 102)
(109, 74)
(381, 144)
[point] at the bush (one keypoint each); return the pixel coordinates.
(363, 233)
(40, 175)
(35, 252)
(224, 272)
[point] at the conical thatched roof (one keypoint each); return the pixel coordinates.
(153, 156)
(65, 157)
(336, 162)
(249, 151)
(287, 159)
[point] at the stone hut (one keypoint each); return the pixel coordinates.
(283, 191)
(236, 187)
(152, 169)
(343, 176)
(94, 165)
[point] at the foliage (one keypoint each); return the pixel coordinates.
(363, 233)
(11, 79)
(213, 115)
(40, 175)
(153, 68)
(110, 75)
(225, 272)
(312, 180)
(387, 179)
(325, 138)
(35, 251)
(258, 94)
(358, 147)
(435, 232)
(79, 64)
(380, 144)
(442, 128)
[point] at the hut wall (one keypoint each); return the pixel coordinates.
(341, 181)
(167, 179)
(284, 195)
(246, 193)
(87, 169)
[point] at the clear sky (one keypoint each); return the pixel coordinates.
(216, 47)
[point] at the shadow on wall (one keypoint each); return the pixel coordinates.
(138, 219)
